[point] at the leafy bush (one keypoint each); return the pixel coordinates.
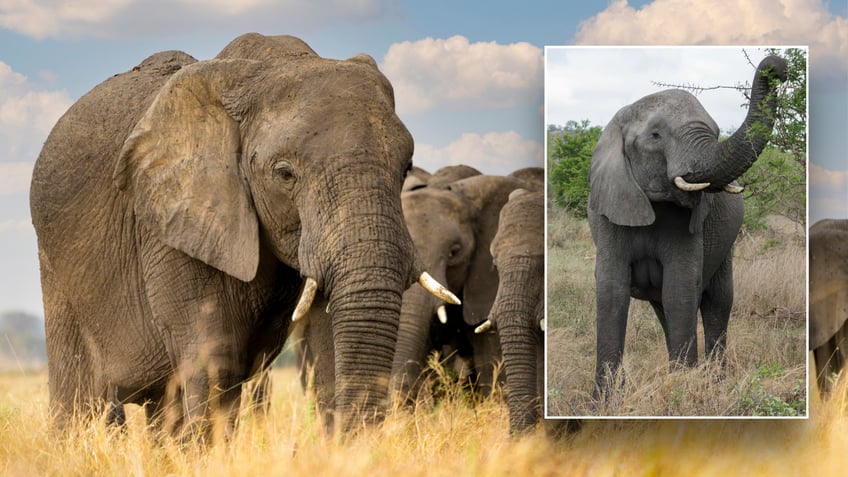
(570, 153)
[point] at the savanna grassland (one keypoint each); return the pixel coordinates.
(452, 438)
(766, 356)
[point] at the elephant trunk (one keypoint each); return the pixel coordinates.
(413, 340)
(356, 247)
(517, 314)
(727, 160)
(365, 323)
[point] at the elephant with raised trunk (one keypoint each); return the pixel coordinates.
(181, 208)
(828, 299)
(664, 211)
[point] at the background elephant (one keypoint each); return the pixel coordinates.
(518, 251)
(452, 224)
(180, 208)
(664, 213)
(828, 250)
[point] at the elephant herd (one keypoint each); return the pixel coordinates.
(191, 215)
(482, 236)
(187, 212)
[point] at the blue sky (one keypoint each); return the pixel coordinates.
(468, 75)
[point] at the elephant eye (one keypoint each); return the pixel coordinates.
(455, 248)
(284, 171)
(655, 135)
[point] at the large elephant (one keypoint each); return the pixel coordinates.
(664, 211)
(518, 251)
(828, 298)
(181, 208)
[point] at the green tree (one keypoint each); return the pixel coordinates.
(570, 154)
(776, 183)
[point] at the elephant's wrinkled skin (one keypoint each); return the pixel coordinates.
(180, 205)
(664, 213)
(452, 224)
(828, 298)
(518, 251)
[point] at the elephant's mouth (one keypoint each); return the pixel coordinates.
(682, 184)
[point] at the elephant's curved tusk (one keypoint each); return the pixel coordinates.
(486, 326)
(306, 298)
(542, 324)
(437, 289)
(442, 314)
(683, 185)
(734, 188)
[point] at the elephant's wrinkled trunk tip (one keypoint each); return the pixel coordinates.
(442, 314)
(307, 296)
(689, 187)
(437, 289)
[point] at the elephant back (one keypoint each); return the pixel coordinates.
(254, 46)
(74, 169)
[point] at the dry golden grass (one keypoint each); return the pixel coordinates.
(451, 439)
(766, 356)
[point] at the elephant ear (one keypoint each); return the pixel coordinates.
(613, 191)
(488, 195)
(181, 166)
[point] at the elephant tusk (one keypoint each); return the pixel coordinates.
(734, 188)
(542, 324)
(683, 185)
(437, 289)
(442, 314)
(486, 326)
(306, 298)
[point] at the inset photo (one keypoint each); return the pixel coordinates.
(676, 232)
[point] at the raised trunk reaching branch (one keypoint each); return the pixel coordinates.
(726, 161)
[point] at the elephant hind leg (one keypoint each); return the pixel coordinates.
(716, 304)
(830, 358)
(70, 369)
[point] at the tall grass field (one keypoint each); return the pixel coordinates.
(451, 438)
(765, 373)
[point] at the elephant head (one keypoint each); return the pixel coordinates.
(665, 148)
(452, 226)
(269, 146)
(518, 251)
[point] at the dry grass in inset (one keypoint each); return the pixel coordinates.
(766, 356)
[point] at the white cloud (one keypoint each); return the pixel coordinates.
(741, 22)
(492, 153)
(828, 193)
(14, 177)
(822, 179)
(27, 114)
(453, 74)
(110, 18)
(21, 227)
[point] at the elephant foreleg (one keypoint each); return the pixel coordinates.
(612, 295)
